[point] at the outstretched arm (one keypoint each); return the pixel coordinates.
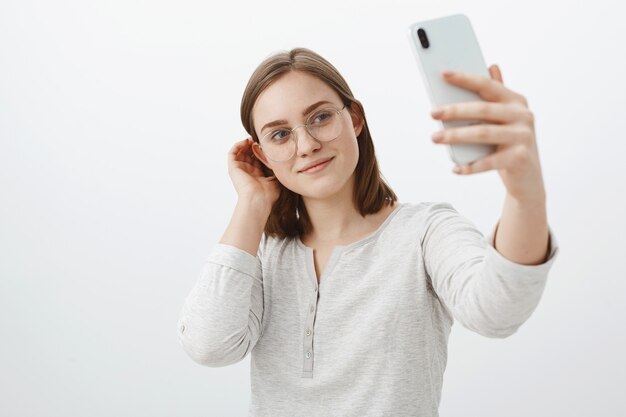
(522, 232)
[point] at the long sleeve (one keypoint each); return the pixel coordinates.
(483, 290)
(221, 318)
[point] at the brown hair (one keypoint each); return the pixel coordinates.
(288, 217)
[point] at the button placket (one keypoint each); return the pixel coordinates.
(309, 330)
(307, 370)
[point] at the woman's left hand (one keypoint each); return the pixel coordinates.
(508, 124)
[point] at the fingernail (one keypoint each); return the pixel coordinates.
(456, 169)
(448, 73)
(437, 136)
(438, 111)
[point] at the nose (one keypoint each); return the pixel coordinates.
(308, 144)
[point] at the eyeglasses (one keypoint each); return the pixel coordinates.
(324, 125)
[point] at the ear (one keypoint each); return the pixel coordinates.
(256, 149)
(357, 118)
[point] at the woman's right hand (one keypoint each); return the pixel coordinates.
(246, 175)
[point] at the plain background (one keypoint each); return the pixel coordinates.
(115, 121)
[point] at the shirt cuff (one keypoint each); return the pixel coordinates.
(502, 261)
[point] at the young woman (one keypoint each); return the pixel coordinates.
(344, 296)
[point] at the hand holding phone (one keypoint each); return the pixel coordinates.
(449, 43)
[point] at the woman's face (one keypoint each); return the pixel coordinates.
(286, 99)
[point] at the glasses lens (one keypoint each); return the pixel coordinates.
(278, 145)
(324, 125)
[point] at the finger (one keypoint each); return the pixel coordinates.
(482, 133)
(238, 147)
(480, 110)
(258, 164)
(495, 160)
(238, 154)
(246, 152)
(495, 73)
(490, 90)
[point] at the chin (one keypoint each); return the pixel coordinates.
(320, 189)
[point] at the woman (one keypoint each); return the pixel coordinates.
(345, 297)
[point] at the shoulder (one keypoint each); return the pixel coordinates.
(423, 217)
(426, 210)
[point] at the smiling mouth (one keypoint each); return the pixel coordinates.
(317, 167)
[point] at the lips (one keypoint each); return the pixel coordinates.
(316, 163)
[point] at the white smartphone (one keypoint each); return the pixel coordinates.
(449, 42)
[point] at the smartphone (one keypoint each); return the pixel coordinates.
(449, 42)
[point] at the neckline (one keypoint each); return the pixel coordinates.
(360, 241)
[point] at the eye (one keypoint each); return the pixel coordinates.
(321, 117)
(276, 135)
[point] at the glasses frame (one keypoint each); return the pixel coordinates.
(294, 135)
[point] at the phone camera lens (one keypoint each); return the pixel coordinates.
(421, 33)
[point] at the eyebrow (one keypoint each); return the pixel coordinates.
(304, 113)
